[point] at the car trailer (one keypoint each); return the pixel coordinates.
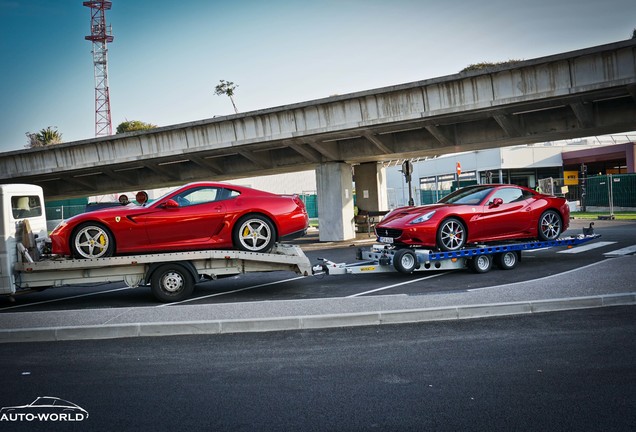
(171, 276)
(480, 259)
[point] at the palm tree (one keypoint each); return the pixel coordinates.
(227, 88)
(45, 137)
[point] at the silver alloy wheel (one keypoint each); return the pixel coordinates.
(255, 234)
(550, 225)
(92, 241)
(452, 235)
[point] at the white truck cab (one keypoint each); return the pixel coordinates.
(21, 205)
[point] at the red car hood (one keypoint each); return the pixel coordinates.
(411, 212)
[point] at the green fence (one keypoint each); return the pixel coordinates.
(620, 188)
(311, 202)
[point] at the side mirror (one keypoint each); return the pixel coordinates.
(170, 204)
(496, 202)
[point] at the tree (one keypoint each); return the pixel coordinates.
(133, 125)
(488, 65)
(45, 137)
(226, 88)
(634, 34)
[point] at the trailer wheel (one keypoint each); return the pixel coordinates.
(480, 264)
(171, 283)
(507, 260)
(405, 261)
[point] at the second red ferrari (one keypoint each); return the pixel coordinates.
(477, 214)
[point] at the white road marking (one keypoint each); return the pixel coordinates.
(586, 247)
(620, 252)
(64, 298)
(398, 284)
(232, 292)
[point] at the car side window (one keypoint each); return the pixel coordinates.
(204, 195)
(508, 195)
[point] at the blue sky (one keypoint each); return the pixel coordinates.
(168, 55)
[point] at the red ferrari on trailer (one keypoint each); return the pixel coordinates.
(196, 216)
(477, 214)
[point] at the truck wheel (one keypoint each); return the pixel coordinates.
(171, 283)
(550, 225)
(480, 264)
(92, 240)
(254, 233)
(405, 261)
(507, 260)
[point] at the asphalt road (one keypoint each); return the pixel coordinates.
(288, 286)
(566, 371)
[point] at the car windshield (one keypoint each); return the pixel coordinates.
(469, 195)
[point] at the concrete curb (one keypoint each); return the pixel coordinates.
(129, 330)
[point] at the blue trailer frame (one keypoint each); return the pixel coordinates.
(479, 258)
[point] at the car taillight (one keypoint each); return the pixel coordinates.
(300, 203)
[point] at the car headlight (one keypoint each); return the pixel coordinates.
(423, 218)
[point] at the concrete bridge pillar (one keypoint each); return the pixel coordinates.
(371, 192)
(334, 183)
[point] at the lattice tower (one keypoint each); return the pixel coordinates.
(100, 36)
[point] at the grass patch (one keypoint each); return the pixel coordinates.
(595, 215)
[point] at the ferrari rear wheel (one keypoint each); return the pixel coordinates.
(92, 240)
(451, 235)
(550, 225)
(254, 233)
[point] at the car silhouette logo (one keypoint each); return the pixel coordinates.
(44, 408)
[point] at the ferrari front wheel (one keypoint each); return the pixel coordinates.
(92, 240)
(451, 235)
(254, 233)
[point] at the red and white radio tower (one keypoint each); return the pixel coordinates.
(100, 36)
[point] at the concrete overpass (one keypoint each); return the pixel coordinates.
(581, 93)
